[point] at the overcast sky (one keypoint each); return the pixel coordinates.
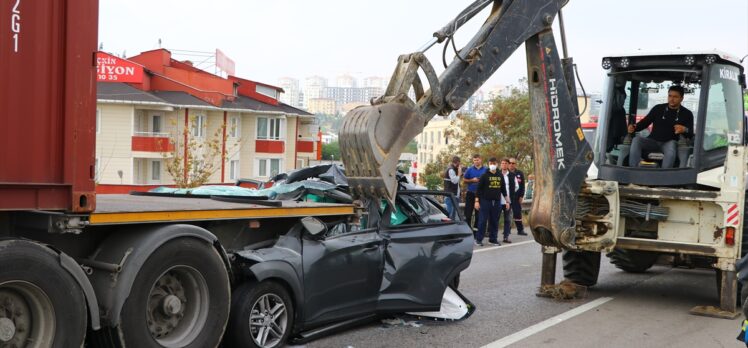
(297, 38)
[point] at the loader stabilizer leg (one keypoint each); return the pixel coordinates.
(547, 271)
(728, 299)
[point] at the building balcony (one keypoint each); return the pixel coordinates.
(305, 145)
(270, 146)
(152, 142)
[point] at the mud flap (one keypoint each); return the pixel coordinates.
(454, 307)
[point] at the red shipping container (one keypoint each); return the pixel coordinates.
(48, 104)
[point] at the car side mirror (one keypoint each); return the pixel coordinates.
(314, 226)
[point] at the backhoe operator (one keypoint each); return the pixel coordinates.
(669, 121)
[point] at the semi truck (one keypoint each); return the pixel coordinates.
(162, 270)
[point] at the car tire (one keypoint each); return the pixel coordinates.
(633, 261)
(581, 267)
(180, 298)
(257, 300)
(32, 285)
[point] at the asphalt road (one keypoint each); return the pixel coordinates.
(623, 310)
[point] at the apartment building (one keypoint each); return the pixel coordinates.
(144, 123)
(434, 140)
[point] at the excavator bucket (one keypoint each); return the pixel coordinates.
(371, 141)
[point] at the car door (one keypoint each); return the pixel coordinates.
(342, 274)
(422, 254)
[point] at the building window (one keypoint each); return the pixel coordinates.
(432, 137)
(269, 128)
(439, 136)
(198, 126)
(267, 167)
(155, 170)
(234, 169)
(156, 123)
(267, 91)
(300, 163)
(234, 127)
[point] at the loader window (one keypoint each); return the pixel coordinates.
(724, 119)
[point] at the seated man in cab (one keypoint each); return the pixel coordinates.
(668, 121)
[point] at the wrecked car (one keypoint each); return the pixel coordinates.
(327, 274)
(323, 276)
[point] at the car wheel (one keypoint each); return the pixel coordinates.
(41, 305)
(180, 298)
(262, 315)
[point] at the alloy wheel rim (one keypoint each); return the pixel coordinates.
(268, 321)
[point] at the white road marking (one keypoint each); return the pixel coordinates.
(520, 335)
(502, 246)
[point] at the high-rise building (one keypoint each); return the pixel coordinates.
(345, 81)
(292, 95)
(323, 106)
(313, 88)
(375, 81)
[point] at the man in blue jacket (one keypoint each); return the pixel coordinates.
(472, 176)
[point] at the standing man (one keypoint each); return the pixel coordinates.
(508, 189)
(518, 196)
(472, 176)
(492, 197)
(452, 183)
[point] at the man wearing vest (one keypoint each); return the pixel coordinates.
(452, 183)
(493, 199)
(472, 176)
(517, 196)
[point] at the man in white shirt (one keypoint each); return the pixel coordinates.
(508, 188)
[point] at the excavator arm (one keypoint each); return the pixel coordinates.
(372, 137)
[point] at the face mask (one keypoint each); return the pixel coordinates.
(492, 167)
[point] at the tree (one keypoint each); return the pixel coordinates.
(412, 147)
(202, 158)
(331, 151)
(432, 176)
(505, 132)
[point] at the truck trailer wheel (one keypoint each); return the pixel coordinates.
(41, 305)
(581, 267)
(261, 316)
(633, 261)
(180, 298)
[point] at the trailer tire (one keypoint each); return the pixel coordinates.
(35, 285)
(633, 261)
(180, 298)
(581, 267)
(247, 300)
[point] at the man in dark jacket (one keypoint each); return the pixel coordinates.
(669, 121)
(517, 196)
(491, 191)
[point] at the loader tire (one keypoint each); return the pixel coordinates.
(581, 267)
(633, 261)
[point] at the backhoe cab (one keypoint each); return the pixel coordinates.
(635, 84)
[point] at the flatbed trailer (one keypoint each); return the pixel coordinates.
(101, 274)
